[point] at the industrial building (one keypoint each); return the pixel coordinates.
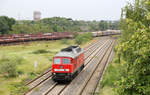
(36, 15)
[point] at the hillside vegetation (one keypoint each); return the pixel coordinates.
(54, 24)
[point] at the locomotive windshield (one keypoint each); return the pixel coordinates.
(57, 61)
(66, 61)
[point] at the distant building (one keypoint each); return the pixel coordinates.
(36, 15)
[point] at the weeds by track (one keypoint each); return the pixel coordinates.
(94, 78)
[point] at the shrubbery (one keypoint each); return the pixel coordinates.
(41, 51)
(18, 88)
(8, 66)
(134, 49)
(82, 38)
(6, 24)
(64, 41)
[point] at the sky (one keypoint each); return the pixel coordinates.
(75, 9)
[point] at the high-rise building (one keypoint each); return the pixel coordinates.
(36, 15)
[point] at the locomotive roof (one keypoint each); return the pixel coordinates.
(72, 51)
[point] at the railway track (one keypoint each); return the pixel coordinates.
(97, 87)
(52, 88)
(34, 83)
(57, 89)
(76, 87)
(94, 78)
(46, 72)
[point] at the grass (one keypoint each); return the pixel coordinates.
(26, 55)
(32, 53)
(107, 91)
(40, 52)
(111, 75)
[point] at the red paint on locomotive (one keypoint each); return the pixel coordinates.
(67, 63)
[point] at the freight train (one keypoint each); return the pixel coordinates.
(15, 38)
(67, 63)
(106, 33)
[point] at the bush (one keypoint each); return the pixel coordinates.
(83, 38)
(18, 88)
(78, 40)
(64, 41)
(20, 72)
(134, 49)
(40, 51)
(8, 67)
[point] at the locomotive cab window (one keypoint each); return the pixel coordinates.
(57, 61)
(66, 61)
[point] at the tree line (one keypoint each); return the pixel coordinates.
(134, 49)
(54, 24)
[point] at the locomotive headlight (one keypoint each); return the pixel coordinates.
(58, 69)
(66, 69)
(61, 69)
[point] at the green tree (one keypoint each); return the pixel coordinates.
(22, 29)
(83, 38)
(103, 25)
(54, 24)
(6, 24)
(134, 49)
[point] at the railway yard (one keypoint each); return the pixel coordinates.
(97, 57)
(80, 47)
(22, 38)
(55, 47)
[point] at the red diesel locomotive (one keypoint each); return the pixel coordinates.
(67, 63)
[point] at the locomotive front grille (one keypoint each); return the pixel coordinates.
(61, 74)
